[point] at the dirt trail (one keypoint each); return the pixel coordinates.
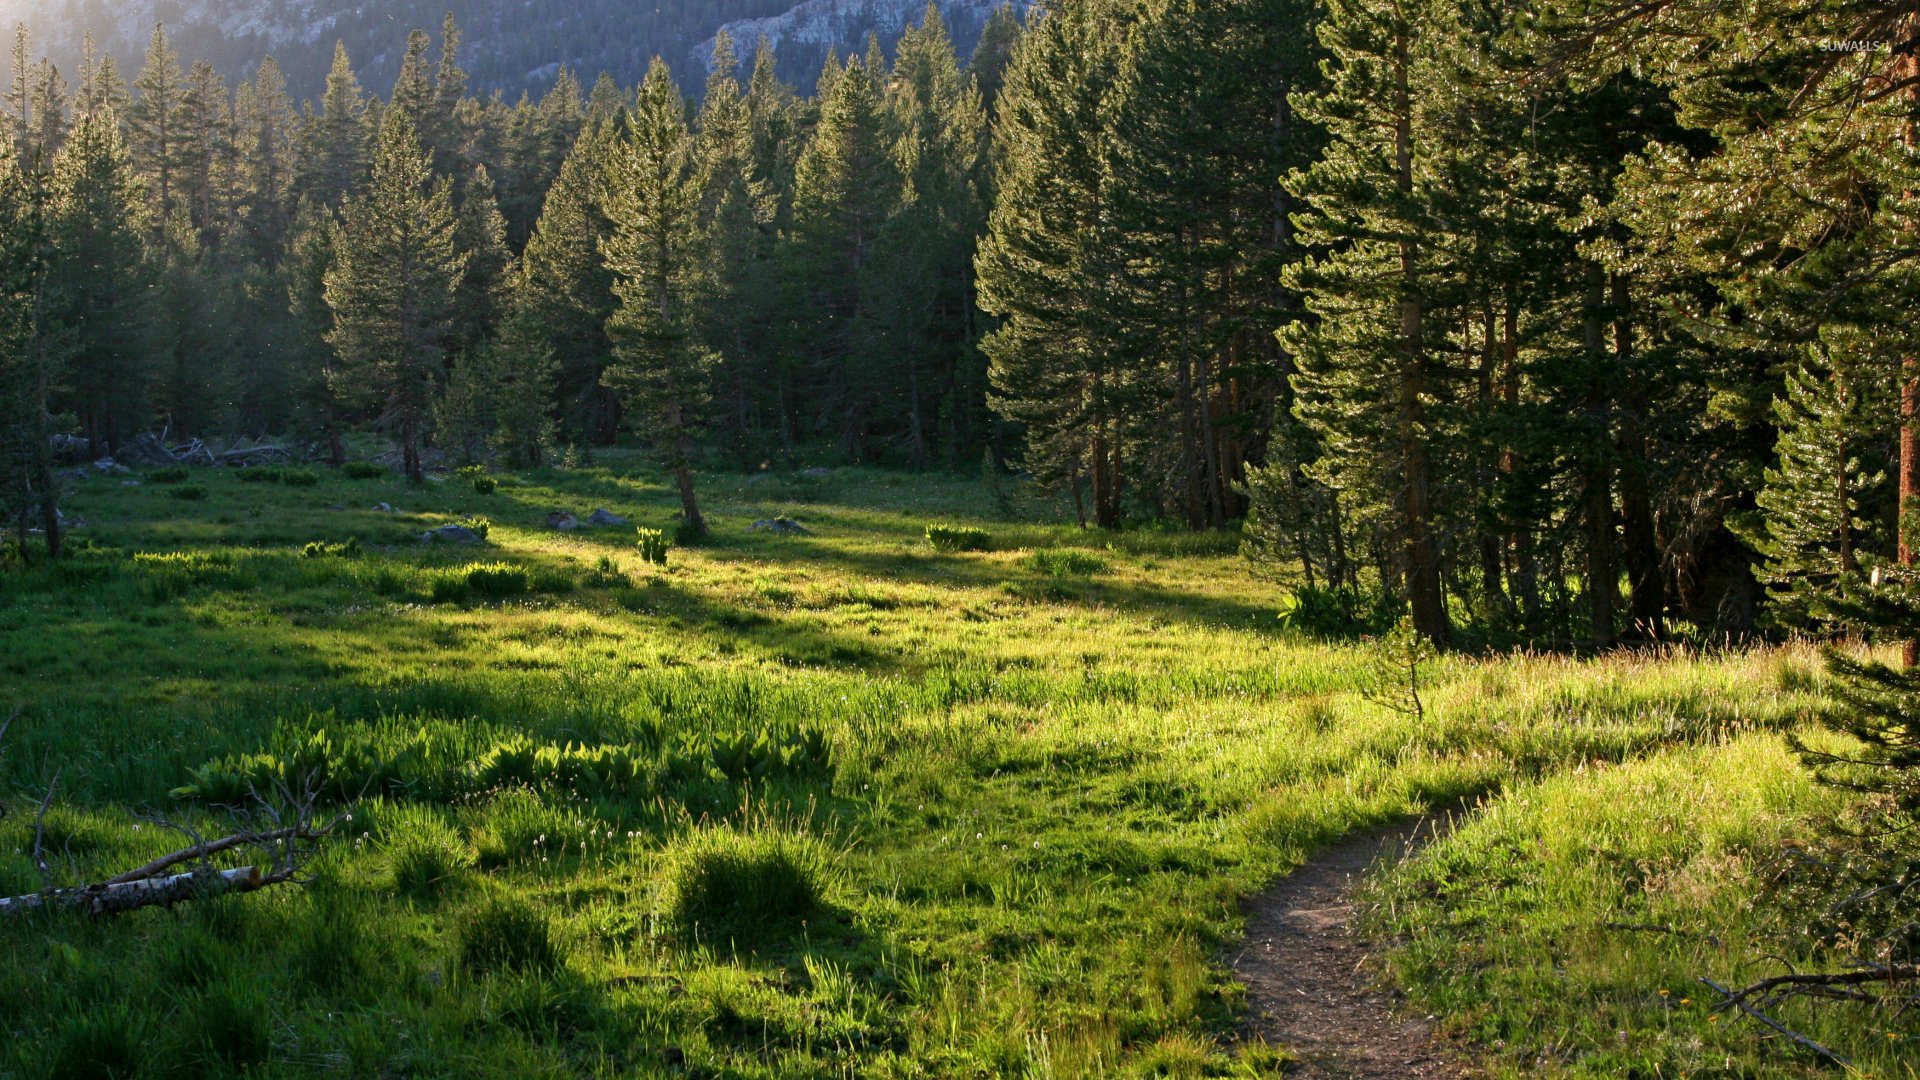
(1310, 988)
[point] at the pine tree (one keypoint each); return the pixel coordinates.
(28, 489)
(314, 370)
(846, 188)
(1052, 368)
(1813, 533)
(208, 168)
(660, 262)
(520, 376)
(413, 89)
(1371, 370)
(155, 123)
(567, 289)
(994, 53)
(443, 129)
(101, 87)
(333, 154)
(392, 287)
(98, 307)
(481, 234)
(19, 95)
(47, 104)
(265, 131)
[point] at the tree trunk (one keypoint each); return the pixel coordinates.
(1422, 556)
(1601, 574)
(1647, 604)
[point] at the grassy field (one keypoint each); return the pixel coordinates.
(837, 804)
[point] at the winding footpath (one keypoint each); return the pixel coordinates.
(1310, 987)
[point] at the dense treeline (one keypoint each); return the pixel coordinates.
(1534, 319)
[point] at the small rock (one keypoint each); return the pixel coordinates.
(75, 474)
(383, 508)
(816, 474)
(131, 483)
(562, 521)
(601, 517)
(452, 534)
(783, 527)
(111, 467)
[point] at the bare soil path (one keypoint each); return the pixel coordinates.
(1311, 988)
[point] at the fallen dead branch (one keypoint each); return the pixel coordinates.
(1729, 999)
(1787, 985)
(283, 847)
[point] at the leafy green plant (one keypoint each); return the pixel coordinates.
(188, 493)
(952, 538)
(479, 526)
(485, 485)
(172, 474)
(365, 470)
(1333, 612)
(1066, 562)
(322, 549)
(260, 474)
(300, 478)
(498, 581)
(654, 545)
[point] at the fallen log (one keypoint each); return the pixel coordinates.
(118, 898)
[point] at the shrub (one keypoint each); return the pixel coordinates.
(172, 474)
(424, 853)
(951, 538)
(364, 470)
(485, 485)
(506, 934)
(654, 546)
(300, 478)
(1061, 562)
(498, 580)
(260, 474)
(722, 884)
(1335, 612)
(188, 492)
(479, 526)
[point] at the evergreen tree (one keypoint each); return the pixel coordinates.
(846, 188)
(994, 53)
(29, 493)
(1813, 532)
(567, 289)
(314, 372)
(1039, 267)
(520, 376)
(155, 126)
(481, 234)
(1372, 367)
(265, 129)
(392, 287)
(97, 307)
(658, 255)
(333, 153)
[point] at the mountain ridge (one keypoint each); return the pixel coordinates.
(509, 45)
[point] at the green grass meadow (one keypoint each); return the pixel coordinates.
(836, 805)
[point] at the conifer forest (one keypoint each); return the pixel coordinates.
(1327, 538)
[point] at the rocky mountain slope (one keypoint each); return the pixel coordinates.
(511, 45)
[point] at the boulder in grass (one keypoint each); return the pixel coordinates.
(451, 534)
(384, 508)
(110, 467)
(603, 518)
(561, 521)
(817, 474)
(782, 527)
